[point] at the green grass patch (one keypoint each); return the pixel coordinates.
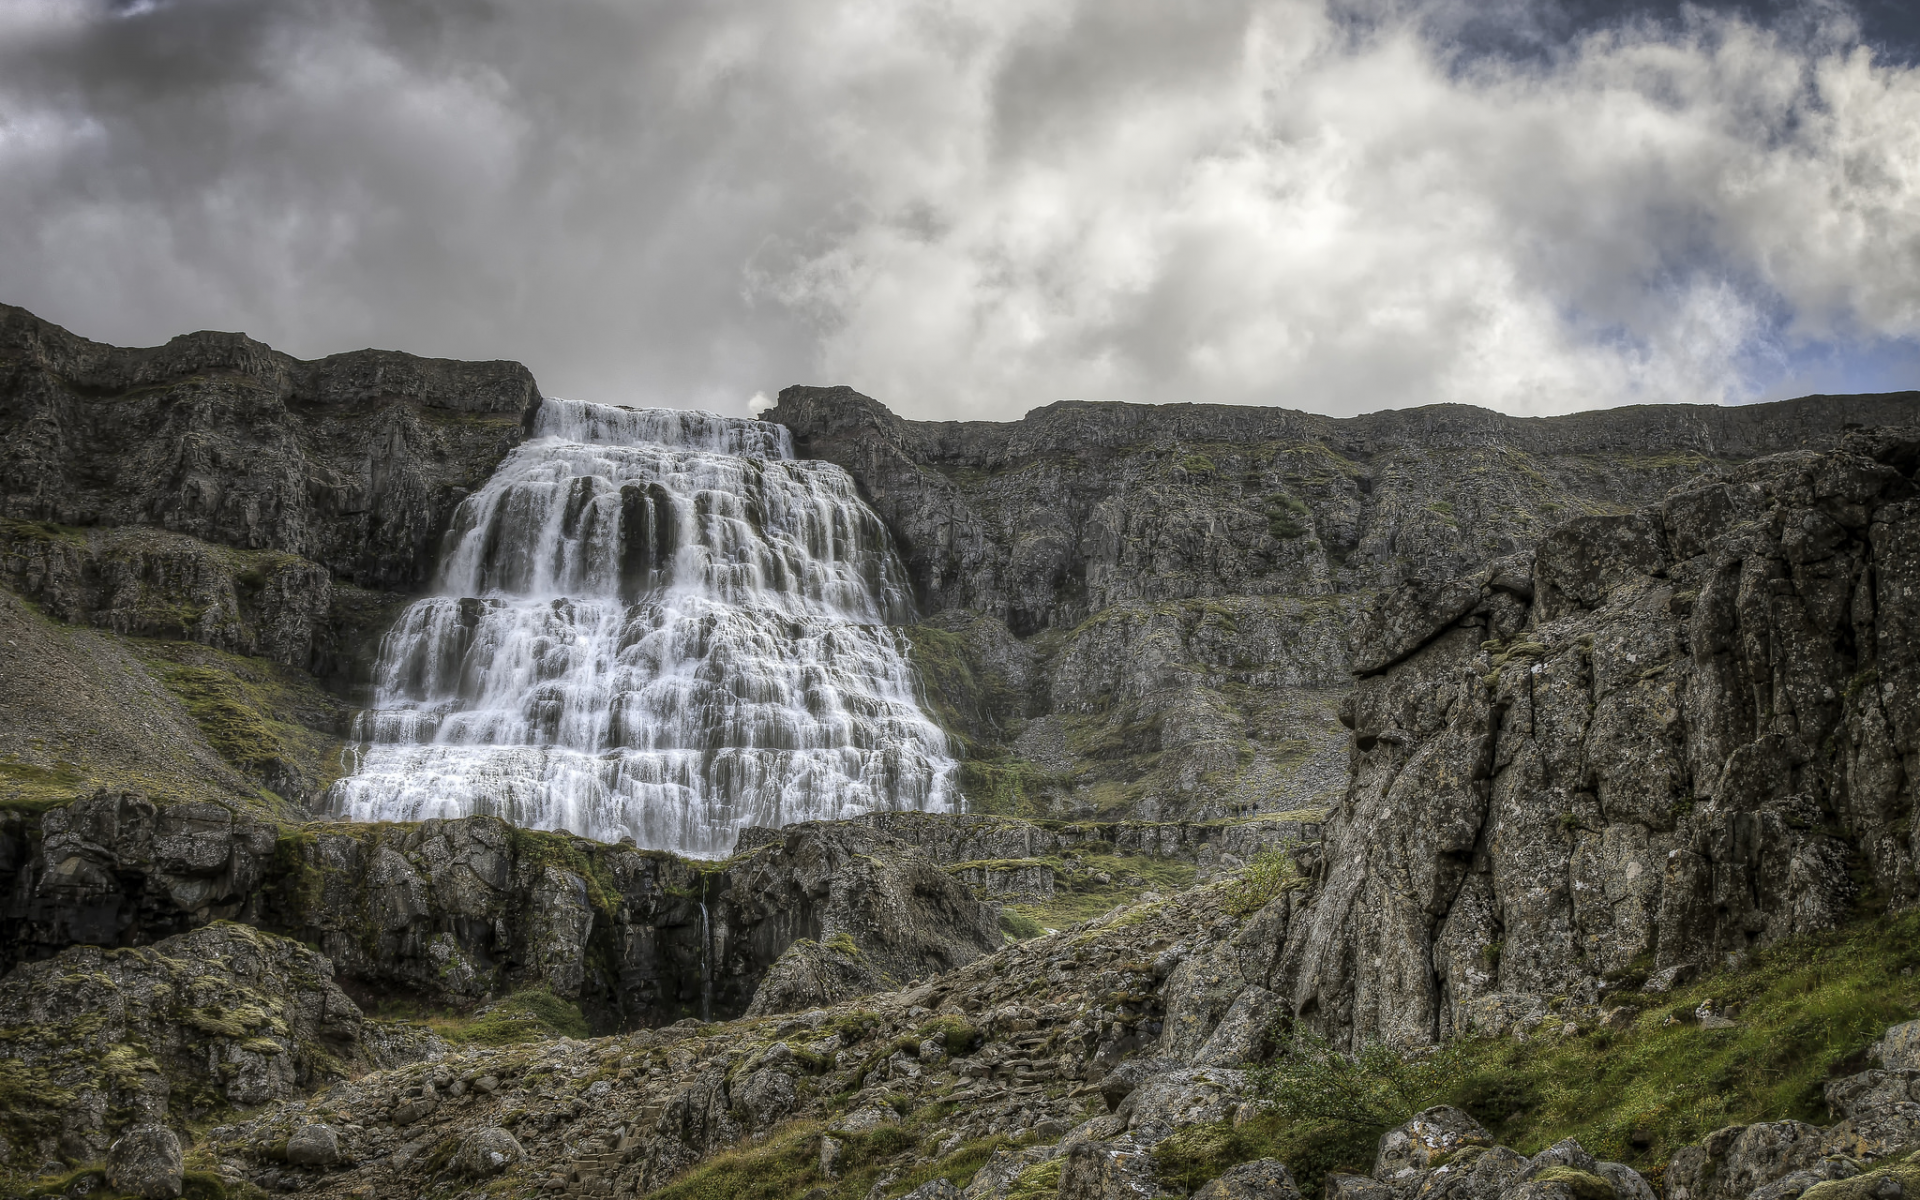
(522, 1017)
(1265, 879)
(1080, 895)
(529, 1015)
(25, 787)
(1286, 516)
(273, 724)
(1037, 1182)
(1020, 927)
(1808, 1009)
(1009, 787)
(787, 1164)
(1198, 1153)
(957, 1035)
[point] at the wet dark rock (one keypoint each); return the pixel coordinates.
(466, 910)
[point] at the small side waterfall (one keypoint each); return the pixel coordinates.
(653, 623)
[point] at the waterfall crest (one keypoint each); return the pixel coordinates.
(653, 623)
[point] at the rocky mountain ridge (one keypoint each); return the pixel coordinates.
(1145, 610)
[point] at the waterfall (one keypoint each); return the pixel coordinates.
(658, 624)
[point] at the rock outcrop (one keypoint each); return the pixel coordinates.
(1665, 737)
(625, 1114)
(215, 492)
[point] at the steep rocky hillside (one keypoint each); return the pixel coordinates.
(1146, 610)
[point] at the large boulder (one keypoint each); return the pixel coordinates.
(1409, 1150)
(487, 1151)
(1175, 1099)
(811, 975)
(145, 1161)
(1474, 1173)
(1105, 1171)
(314, 1146)
(1877, 1110)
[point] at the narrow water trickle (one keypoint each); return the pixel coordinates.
(656, 623)
(706, 956)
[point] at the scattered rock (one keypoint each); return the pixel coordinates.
(832, 1150)
(1105, 1171)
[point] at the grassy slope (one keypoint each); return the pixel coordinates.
(82, 709)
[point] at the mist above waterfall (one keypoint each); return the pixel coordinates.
(657, 624)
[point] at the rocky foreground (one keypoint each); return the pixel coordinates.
(1052, 1067)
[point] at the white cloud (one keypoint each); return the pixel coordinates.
(967, 210)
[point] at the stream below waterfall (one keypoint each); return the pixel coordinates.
(652, 623)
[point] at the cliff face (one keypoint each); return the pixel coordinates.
(457, 912)
(1148, 606)
(353, 462)
(1663, 738)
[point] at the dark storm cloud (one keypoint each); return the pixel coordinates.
(972, 209)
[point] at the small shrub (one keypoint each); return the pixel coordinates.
(956, 1034)
(1286, 516)
(1269, 874)
(884, 1142)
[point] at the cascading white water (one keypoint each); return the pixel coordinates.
(657, 623)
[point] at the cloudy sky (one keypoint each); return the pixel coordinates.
(972, 207)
